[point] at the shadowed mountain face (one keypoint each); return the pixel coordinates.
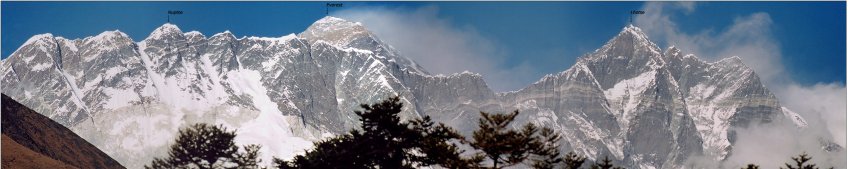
(644, 106)
(31, 140)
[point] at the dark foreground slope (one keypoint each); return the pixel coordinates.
(31, 140)
(17, 156)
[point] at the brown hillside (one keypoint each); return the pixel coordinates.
(48, 138)
(16, 156)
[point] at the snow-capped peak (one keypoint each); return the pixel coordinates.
(346, 34)
(109, 37)
(734, 60)
(168, 27)
(672, 51)
(281, 39)
(225, 34)
(108, 41)
(166, 30)
(465, 73)
(633, 29)
(330, 20)
(335, 31)
(37, 38)
(330, 23)
(630, 38)
(631, 42)
(633, 33)
(622, 96)
(194, 33)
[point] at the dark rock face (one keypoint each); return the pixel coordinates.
(48, 139)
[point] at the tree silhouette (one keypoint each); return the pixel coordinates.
(507, 147)
(544, 149)
(384, 141)
(250, 158)
(573, 160)
(437, 148)
(801, 162)
(330, 154)
(206, 146)
(500, 144)
(384, 135)
(604, 164)
(751, 166)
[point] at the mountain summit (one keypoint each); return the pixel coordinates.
(645, 107)
(633, 36)
(340, 32)
(167, 30)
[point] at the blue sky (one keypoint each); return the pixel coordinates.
(528, 39)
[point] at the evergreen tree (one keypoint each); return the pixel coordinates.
(436, 147)
(384, 141)
(384, 135)
(751, 166)
(337, 152)
(573, 160)
(250, 158)
(205, 146)
(545, 149)
(507, 147)
(801, 162)
(605, 164)
(499, 144)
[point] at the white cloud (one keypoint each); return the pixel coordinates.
(750, 37)
(439, 46)
(822, 105)
(772, 145)
(688, 6)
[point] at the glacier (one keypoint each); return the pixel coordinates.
(629, 99)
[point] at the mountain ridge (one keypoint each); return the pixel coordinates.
(606, 104)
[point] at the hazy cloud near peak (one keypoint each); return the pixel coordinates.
(749, 37)
(771, 146)
(823, 105)
(440, 47)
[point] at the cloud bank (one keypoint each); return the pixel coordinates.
(439, 46)
(823, 105)
(771, 146)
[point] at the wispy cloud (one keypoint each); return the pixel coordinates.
(750, 37)
(441, 47)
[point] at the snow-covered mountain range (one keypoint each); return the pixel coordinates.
(629, 99)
